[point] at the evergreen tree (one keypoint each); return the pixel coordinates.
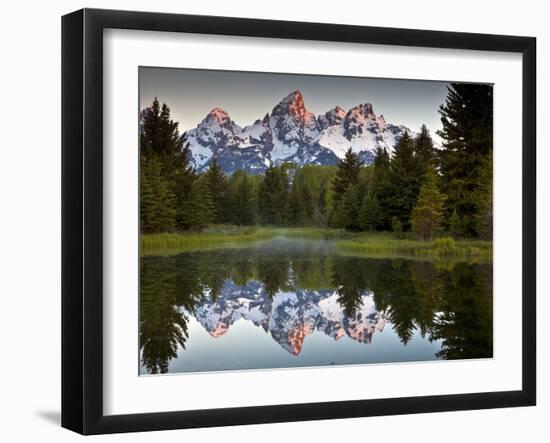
(467, 120)
(199, 211)
(369, 214)
(147, 200)
(424, 149)
(484, 201)
(346, 174)
(159, 136)
(296, 206)
(273, 196)
(164, 151)
(184, 177)
(244, 205)
(427, 215)
(350, 207)
(309, 195)
(455, 225)
(346, 177)
(150, 130)
(381, 185)
(217, 186)
(381, 160)
(405, 176)
(157, 201)
(322, 204)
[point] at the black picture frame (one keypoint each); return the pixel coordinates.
(82, 220)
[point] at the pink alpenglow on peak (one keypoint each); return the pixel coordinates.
(296, 106)
(291, 133)
(218, 115)
(339, 111)
(296, 337)
(293, 104)
(220, 330)
(294, 99)
(331, 117)
(361, 113)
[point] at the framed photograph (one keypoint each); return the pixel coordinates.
(270, 221)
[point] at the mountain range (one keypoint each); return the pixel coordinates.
(291, 133)
(289, 316)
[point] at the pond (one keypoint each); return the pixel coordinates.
(289, 302)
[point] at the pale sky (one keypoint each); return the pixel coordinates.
(247, 96)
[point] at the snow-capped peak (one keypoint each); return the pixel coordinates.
(217, 116)
(331, 117)
(294, 99)
(382, 124)
(293, 104)
(360, 113)
(340, 112)
(291, 133)
(296, 107)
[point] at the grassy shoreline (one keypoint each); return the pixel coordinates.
(365, 244)
(444, 248)
(166, 243)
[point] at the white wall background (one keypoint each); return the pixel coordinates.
(30, 206)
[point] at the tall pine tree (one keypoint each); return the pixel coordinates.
(424, 149)
(467, 120)
(344, 206)
(160, 136)
(217, 186)
(199, 211)
(166, 172)
(484, 200)
(273, 196)
(381, 185)
(427, 215)
(244, 205)
(405, 175)
(349, 209)
(157, 201)
(184, 178)
(346, 174)
(369, 214)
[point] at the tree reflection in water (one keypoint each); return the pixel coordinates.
(291, 285)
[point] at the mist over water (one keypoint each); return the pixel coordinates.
(298, 303)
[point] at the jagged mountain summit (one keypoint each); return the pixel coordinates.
(291, 133)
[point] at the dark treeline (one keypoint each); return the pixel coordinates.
(419, 189)
(451, 302)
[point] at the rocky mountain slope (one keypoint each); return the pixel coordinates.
(291, 133)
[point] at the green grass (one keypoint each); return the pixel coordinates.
(212, 238)
(384, 245)
(374, 244)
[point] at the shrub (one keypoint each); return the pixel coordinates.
(444, 246)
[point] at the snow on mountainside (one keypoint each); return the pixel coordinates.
(362, 131)
(291, 133)
(289, 316)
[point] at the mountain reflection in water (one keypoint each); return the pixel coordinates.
(294, 290)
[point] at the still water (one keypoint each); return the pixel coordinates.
(297, 303)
